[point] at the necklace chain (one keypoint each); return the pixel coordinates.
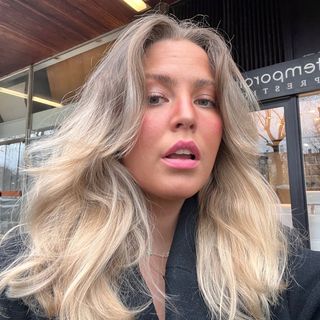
(150, 253)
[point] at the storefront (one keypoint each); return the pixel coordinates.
(32, 103)
(266, 36)
(289, 130)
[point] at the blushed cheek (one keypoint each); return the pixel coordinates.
(146, 124)
(152, 125)
(219, 126)
(215, 126)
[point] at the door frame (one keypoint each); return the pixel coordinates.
(297, 184)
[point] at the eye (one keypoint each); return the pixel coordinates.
(205, 103)
(156, 99)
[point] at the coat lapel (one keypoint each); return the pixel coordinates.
(185, 301)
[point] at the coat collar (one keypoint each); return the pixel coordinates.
(185, 301)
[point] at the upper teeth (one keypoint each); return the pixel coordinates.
(183, 151)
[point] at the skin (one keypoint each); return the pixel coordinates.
(175, 110)
(180, 105)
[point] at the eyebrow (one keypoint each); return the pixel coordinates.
(162, 78)
(201, 83)
(168, 81)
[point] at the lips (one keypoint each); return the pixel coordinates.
(183, 150)
(182, 155)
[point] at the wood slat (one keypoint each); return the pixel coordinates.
(33, 30)
(18, 51)
(64, 79)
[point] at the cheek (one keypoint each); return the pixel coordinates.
(146, 128)
(219, 124)
(150, 131)
(151, 128)
(213, 127)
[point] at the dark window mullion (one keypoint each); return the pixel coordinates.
(296, 170)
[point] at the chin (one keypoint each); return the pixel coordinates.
(172, 191)
(178, 196)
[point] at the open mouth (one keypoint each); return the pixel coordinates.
(182, 154)
(183, 150)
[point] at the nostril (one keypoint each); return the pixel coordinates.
(185, 125)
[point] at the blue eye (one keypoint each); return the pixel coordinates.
(156, 100)
(206, 103)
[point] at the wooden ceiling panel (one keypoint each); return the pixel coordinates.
(109, 14)
(30, 23)
(70, 15)
(18, 51)
(34, 30)
(65, 79)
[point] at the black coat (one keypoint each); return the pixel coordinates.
(301, 301)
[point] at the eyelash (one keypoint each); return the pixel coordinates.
(212, 103)
(153, 96)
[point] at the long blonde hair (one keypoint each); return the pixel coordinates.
(86, 221)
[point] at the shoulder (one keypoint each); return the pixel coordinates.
(304, 287)
(301, 300)
(10, 249)
(305, 268)
(13, 309)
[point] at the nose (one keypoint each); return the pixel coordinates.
(184, 116)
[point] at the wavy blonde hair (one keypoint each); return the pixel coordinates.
(86, 221)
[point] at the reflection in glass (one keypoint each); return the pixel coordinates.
(11, 158)
(54, 91)
(310, 134)
(58, 85)
(13, 105)
(273, 163)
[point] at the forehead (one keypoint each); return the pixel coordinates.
(177, 56)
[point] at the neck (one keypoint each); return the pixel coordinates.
(166, 214)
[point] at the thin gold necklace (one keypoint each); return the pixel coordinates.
(150, 253)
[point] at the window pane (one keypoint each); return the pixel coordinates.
(56, 86)
(13, 106)
(310, 132)
(273, 163)
(11, 157)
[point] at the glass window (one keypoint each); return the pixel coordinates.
(310, 134)
(11, 157)
(273, 163)
(13, 106)
(55, 87)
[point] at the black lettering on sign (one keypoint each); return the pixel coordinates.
(287, 78)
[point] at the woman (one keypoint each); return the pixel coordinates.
(148, 204)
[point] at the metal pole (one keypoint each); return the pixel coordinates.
(29, 106)
(28, 121)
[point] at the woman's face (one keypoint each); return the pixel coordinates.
(182, 128)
